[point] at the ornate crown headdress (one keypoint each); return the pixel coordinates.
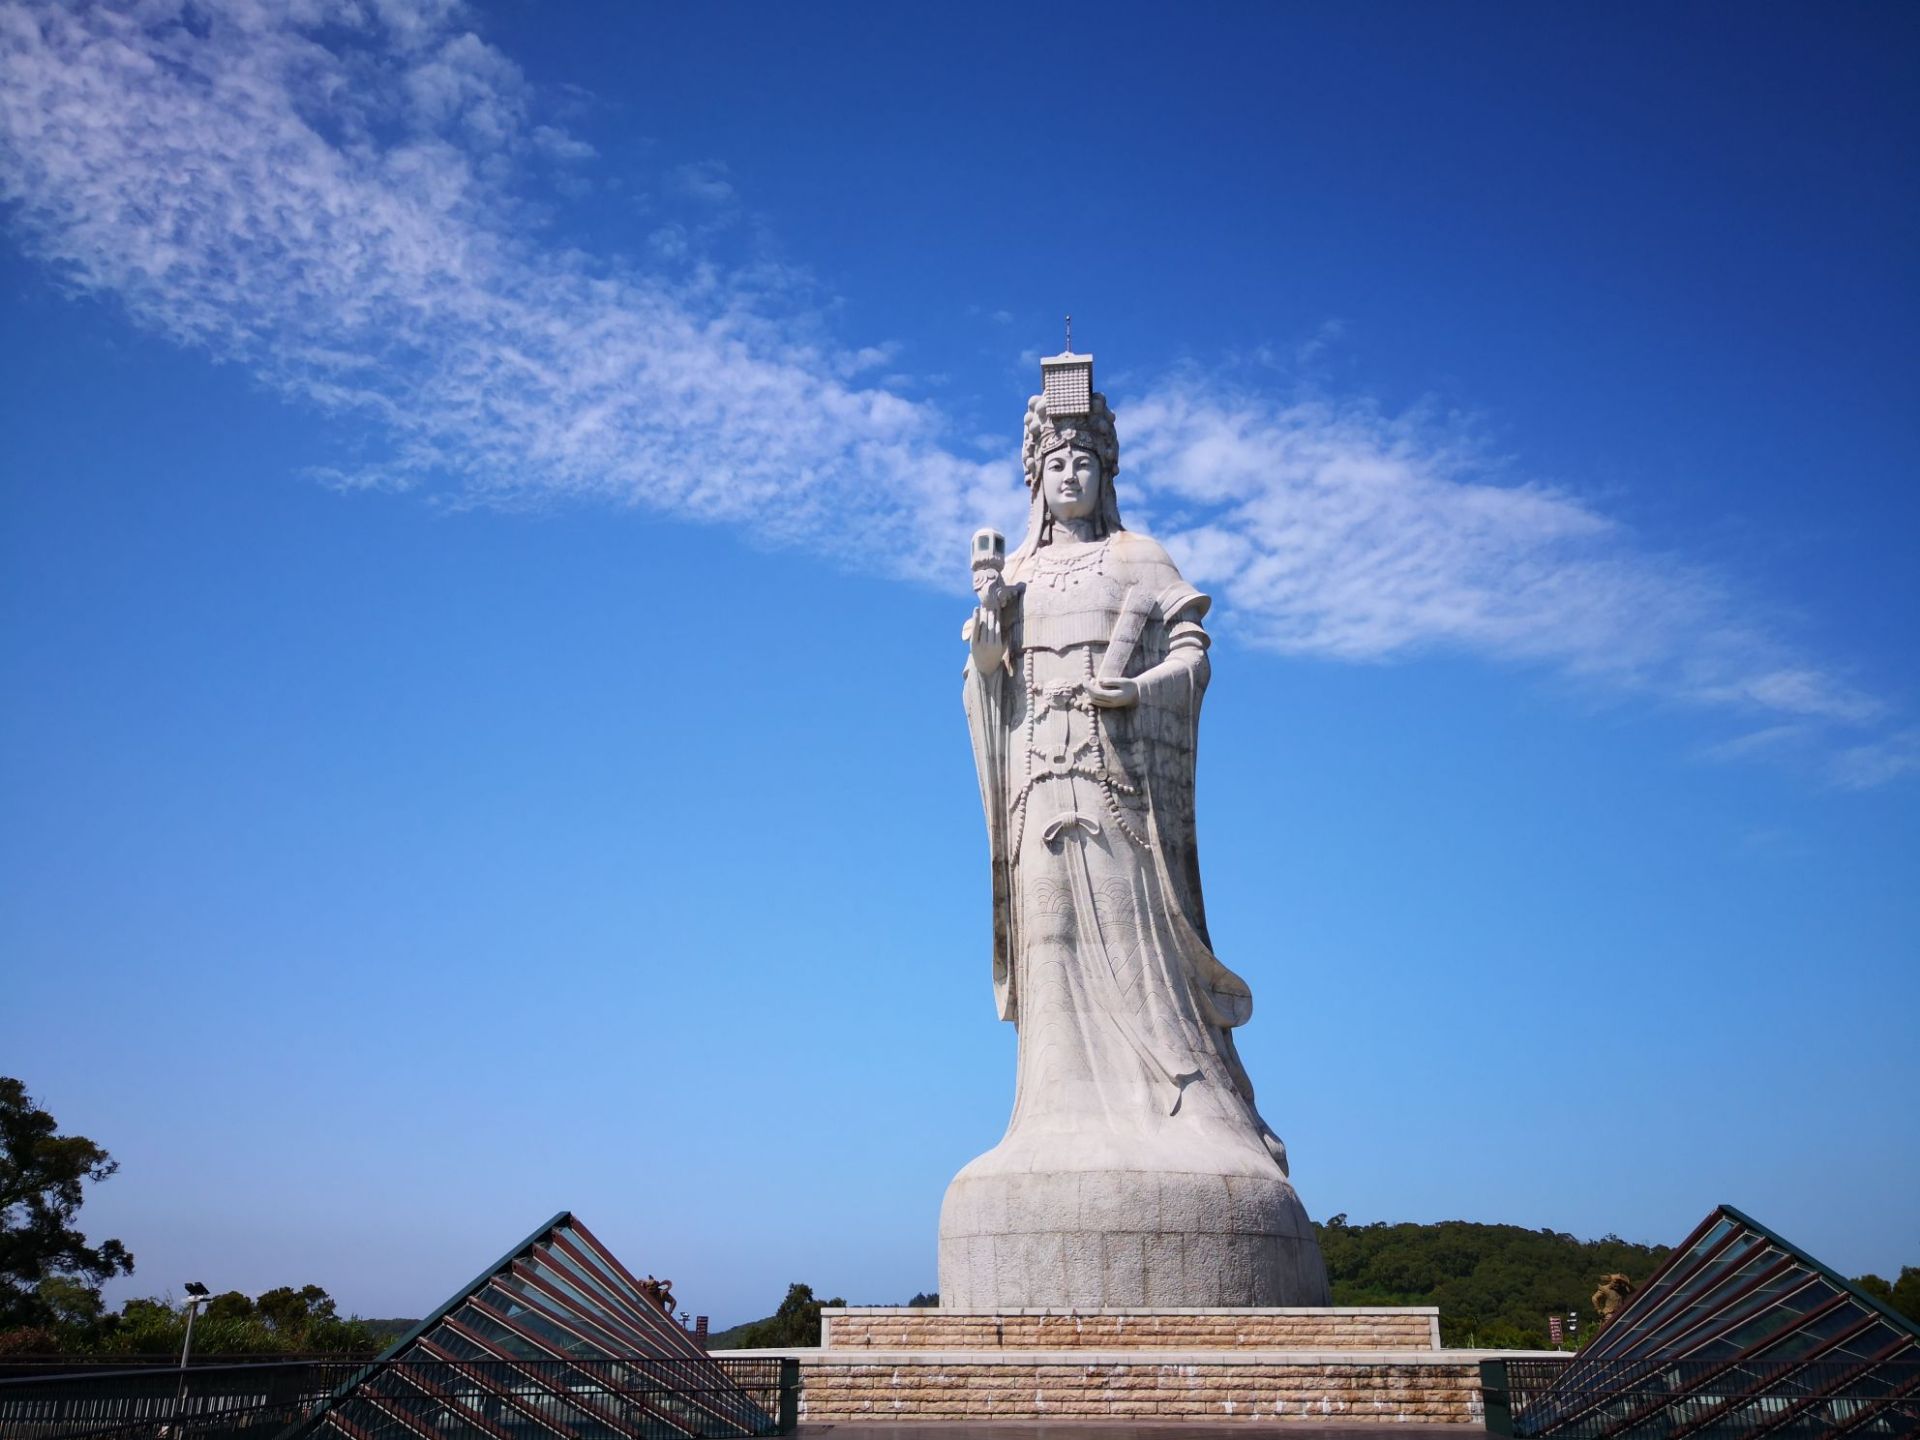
(1068, 411)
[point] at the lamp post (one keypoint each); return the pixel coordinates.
(197, 1295)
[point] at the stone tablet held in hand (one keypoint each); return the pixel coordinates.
(1135, 1170)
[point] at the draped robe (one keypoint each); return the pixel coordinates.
(1101, 957)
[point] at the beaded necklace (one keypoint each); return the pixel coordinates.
(1048, 567)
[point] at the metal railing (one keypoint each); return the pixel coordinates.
(1510, 1388)
(17, 1367)
(587, 1399)
(1700, 1399)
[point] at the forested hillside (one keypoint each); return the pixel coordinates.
(1495, 1284)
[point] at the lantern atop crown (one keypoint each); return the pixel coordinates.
(1068, 411)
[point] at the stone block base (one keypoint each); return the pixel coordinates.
(1317, 1328)
(1424, 1386)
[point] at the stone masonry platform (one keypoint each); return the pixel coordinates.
(1214, 1385)
(1319, 1328)
(1305, 1368)
(1103, 1430)
(1377, 1387)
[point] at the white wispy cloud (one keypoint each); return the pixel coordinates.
(704, 180)
(341, 216)
(335, 194)
(1875, 763)
(1330, 528)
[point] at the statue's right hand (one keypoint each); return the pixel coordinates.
(988, 639)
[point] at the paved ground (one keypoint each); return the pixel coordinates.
(1126, 1430)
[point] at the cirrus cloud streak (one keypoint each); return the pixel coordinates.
(334, 193)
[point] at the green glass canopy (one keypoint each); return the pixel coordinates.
(555, 1341)
(1739, 1333)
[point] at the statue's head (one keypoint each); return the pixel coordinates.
(1070, 464)
(1070, 482)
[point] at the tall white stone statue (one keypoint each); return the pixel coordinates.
(1135, 1170)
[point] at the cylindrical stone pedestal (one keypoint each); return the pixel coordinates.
(1109, 1236)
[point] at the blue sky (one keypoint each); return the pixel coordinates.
(481, 565)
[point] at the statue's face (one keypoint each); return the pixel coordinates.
(1070, 480)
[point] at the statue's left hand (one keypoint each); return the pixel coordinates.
(1115, 694)
(987, 637)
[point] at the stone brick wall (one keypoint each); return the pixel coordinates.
(838, 1387)
(1321, 1329)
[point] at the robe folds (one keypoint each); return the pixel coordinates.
(1101, 956)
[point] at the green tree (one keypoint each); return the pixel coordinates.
(284, 1321)
(231, 1305)
(1878, 1286)
(41, 1177)
(1906, 1292)
(1902, 1294)
(1495, 1284)
(794, 1325)
(71, 1304)
(292, 1312)
(146, 1327)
